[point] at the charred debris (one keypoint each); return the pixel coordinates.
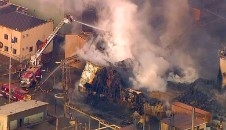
(112, 85)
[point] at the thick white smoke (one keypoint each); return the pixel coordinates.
(159, 35)
(134, 37)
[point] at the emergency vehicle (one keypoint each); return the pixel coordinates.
(32, 75)
(17, 93)
(31, 78)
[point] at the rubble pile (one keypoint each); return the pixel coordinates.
(200, 94)
(107, 80)
(113, 76)
(154, 107)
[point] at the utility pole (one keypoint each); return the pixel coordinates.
(193, 118)
(10, 65)
(57, 123)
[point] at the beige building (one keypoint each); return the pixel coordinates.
(22, 34)
(22, 113)
(222, 64)
(72, 44)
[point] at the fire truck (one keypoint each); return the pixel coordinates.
(32, 75)
(17, 93)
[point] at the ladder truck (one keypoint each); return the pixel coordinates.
(32, 75)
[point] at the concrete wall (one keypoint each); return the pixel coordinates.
(72, 44)
(3, 122)
(7, 42)
(25, 40)
(28, 117)
(31, 36)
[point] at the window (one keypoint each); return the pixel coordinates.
(30, 49)
(6, 48)
(22, 49)
(14, 51)
(5, 36)
(15, 40)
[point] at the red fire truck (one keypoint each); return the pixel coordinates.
(32, 75)
(17, 93)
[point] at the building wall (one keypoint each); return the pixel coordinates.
(223, 70)
(25, 40)
(32, 116)
(178, 107)
(72, 44)
(31, 36)
(3, 122)
(7, 42)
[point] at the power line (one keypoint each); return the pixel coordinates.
(211, 12)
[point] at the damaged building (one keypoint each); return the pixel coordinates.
(74, 42)
(110, 83)
(180, 118)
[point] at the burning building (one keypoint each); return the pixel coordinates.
(111, 83)
(87, 76)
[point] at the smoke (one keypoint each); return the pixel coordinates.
(155, 49)
(159, 35)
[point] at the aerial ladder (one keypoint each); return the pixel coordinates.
(31, 76)
(35, 59)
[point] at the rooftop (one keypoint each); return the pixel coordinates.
(19, 21)
(189, 108)
(20, 106)
(85, 35)
(9, 7)
(183, 121)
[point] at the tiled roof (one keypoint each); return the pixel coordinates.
(19, 21)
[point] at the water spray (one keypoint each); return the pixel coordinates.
(89, 25)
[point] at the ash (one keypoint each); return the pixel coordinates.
(203, 94)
